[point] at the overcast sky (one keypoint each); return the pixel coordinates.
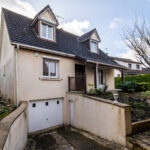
(109, 17)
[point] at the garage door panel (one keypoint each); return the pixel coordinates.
(45, 114)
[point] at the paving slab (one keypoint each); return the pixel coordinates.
(66, 139)
(47, 141)
(142, 140)
(81, 142)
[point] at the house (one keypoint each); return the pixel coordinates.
(134, 67)
(39, 63)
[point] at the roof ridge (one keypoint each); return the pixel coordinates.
(88, 32)
(5, 9)
(124, 59)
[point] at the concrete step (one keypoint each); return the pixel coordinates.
(140, 141)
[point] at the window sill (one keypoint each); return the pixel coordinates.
(50, 79)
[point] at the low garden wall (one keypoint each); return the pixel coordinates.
(14, 128)
(140, 126)
(101, 117)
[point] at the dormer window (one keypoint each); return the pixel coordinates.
(93, 46)
(47, 31)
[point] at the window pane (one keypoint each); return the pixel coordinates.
(129, 65)
(93, 46)
(101, 77)
(43, 30)
(52, 67)
(45, 68)
(137, 67)
(50, 32)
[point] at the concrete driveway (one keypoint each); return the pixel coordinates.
(62, 139)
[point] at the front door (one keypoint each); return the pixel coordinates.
(79, 75)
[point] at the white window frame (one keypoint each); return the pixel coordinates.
(46, 31)
(57, 67)
(137, 66)
(92, 41)
(104, 77)
(129, 64)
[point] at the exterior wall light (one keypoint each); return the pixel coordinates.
(115, 97)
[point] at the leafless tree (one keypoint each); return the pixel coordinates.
(137, 38)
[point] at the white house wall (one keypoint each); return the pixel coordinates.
(7, 65)
(133, 67)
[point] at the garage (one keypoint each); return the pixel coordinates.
(45, 114)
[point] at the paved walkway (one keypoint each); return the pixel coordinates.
(48, 141)
(81, 142)
(142, 140)
(68, 140)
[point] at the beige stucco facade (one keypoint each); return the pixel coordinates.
(32, 85)
(47, 15)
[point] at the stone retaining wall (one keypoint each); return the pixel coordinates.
(14, 129)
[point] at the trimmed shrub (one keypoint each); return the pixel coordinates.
(142, 87)
(133, 86)
(135, 78)
(128, 86)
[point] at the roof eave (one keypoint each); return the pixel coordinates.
(34, 48)
(114, 66)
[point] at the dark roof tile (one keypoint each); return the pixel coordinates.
(20, 31)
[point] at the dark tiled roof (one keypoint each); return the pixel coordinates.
(146, 70)
(21, 32)
(137, 72)
(125, 60)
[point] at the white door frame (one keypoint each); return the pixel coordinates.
(71, 104)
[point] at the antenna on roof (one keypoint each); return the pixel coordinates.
(106, 51)
(59, 17)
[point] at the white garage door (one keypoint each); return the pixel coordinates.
(45, 114)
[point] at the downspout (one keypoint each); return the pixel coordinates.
(96, 75)
(17, 49)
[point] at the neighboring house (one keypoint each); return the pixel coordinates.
(134, 67)
(37, 60)
(145, 70)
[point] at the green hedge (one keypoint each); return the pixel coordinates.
(135, 78)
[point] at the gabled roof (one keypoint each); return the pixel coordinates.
(125, 60)
(20, 32)
(43, 10)
(88, 35)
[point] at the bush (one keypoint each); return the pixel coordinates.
(128, 86)
(97, 91)
(135, 78)
(133, 86)
(142, 87)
